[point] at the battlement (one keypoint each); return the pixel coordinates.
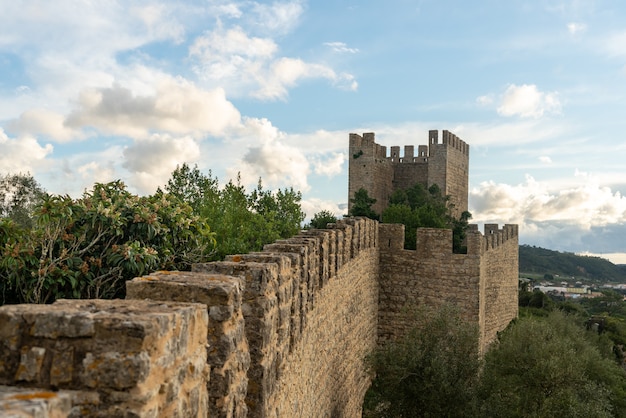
(381, 170)
(368, 142)
(482, 282)
(281, 332)
(439, 241)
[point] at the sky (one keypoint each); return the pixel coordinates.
(94, 91)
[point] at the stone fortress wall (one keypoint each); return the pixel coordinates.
(278, 333)
(481, 283)
(381, 173)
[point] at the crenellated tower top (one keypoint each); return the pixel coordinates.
(445, 164)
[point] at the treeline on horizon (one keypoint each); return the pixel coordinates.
(541, 261)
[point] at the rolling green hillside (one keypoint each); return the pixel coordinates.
(540, 261)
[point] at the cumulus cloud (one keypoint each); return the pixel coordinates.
(545, 159)
(484, 100)
(527, 101)
(251, 65)
(177, 107)
(152, 160)
(278, 165)
(579, 217)
(330, 165)
(583, 203)
(313, 206)
(22, 154)
(96, 172)
(267, 155)
(44, 122)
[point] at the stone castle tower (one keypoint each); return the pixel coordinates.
(445, 164)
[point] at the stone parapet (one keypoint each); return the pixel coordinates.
(281, 332)
(118, 357)
(227, 347)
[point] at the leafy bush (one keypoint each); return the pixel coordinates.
(242, 222)
(88, 247)
(321, 219)
(431, 372)
(547, 367)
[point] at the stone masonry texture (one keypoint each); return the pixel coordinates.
(278, 333)
(444, 163)
(115, 358)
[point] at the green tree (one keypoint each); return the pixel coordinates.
(321, 219)
(418, 207)
(242, 221)
(362, 205)
(88, 247)
(547, 367)
(19, 196)
(431, 372)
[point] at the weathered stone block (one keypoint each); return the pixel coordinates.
(119, 351)
(33, 403)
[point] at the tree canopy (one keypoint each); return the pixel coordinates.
(242, 221)
(362, 205)
(321, 219)
(418, 207)
(19, 196)
(54, 246)
(547, 367)
(431, 372)
(88, 247)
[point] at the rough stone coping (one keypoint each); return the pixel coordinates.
(198, 279)
(31, 403)
(79, 318)
(185, 286)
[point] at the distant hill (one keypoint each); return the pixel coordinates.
(535, 260)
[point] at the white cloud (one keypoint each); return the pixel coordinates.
(251, 66)
(528, 102)
(96, 172)
(278, 18)
(45, 122)
(22, 154)
(152, 160)
(268, 156)
(484, 100)
(584, 204)
(580, 216)
(545, 159)
(341, 47)
(177, 107)
(330, 165)
(575, 28)
(313, 206)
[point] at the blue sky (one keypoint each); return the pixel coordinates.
(96, 91)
